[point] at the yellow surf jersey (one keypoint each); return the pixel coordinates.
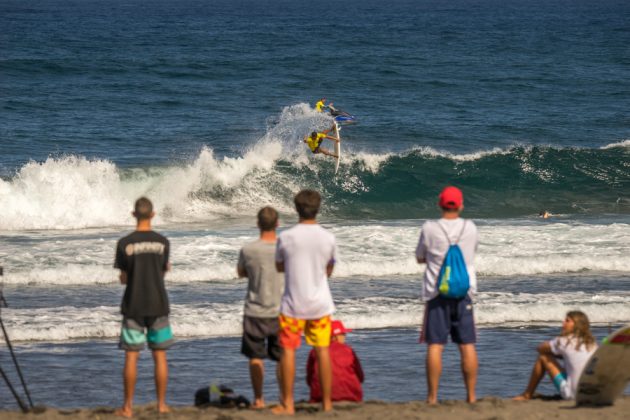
(313, 143)
(319, 106)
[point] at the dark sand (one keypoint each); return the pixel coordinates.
(486, 408)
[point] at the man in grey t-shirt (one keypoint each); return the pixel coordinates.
(262, 304)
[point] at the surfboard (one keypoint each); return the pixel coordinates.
(337, 148)
(607, 372)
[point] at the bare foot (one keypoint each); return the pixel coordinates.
(522, 397)
(124, 412)
(164, 409)
(258, 404)
(431, 401)
(281, 410)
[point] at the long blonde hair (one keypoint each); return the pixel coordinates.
(581, 330)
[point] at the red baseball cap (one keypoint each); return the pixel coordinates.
(451, 198)
(337, 328)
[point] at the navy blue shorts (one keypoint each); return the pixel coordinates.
(444, 316)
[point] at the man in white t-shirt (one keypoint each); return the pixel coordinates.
(306, 254)
(447, 316)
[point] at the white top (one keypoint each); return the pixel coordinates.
(433, 245)
(574, 361)
(306, 250)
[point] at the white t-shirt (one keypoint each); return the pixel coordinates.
(574, 361)
(433, 245)
(306, 250)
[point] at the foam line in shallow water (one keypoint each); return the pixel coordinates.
(192, 320)
(374, 250)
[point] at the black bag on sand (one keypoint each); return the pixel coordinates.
(220, 396)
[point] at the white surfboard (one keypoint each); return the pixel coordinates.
(607, 373)
(337, 148)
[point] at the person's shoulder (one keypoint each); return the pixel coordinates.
(430, 225)
(257, 245)
(157, 237)
(471, 226)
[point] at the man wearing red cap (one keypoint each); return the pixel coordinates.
(346, 369)
(444, 316)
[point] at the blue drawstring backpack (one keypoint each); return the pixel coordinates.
(453, 280)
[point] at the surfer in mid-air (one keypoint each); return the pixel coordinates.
(315, 139)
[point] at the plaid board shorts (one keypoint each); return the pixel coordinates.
(316, 331)
(154, 330)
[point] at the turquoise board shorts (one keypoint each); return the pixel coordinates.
(154, 330)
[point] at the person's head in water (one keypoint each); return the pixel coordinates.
(143, 209)
(307, 204)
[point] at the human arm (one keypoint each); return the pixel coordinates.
(241, 271)
(330, 267)
(333, 259)
(279, 256)
(545, 348)
(421, 249)
(356, 366)
(120, 262)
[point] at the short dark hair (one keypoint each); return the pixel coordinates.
(143, 208)
(314, 134)
(267, 219)
(307, 203)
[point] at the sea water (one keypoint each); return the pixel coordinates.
(202, 106)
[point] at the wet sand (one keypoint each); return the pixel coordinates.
(486, 408)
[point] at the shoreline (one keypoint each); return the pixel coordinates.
(485, 408)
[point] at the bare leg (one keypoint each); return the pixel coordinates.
(257, 375)
(287, 363)
(543, 364)
(161, 379)
(325, 376)
(326, 152)
(130, 374)
(279, 379)
(470, 366)
(434, 371)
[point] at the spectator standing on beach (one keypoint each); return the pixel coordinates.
(265, 286)
(306, 254)
(445, 316)
(143, 259)
(346, 369)
(564, 357)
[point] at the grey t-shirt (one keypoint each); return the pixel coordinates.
(266, 285)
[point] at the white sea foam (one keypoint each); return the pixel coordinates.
(376, 250)
(621, 145)
(222, 319)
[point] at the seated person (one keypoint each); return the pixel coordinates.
(346, 369)
(574, 346)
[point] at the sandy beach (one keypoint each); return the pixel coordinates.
(486, 408)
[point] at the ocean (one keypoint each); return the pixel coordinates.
(202, 106)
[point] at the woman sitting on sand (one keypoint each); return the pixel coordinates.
(574, 346)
